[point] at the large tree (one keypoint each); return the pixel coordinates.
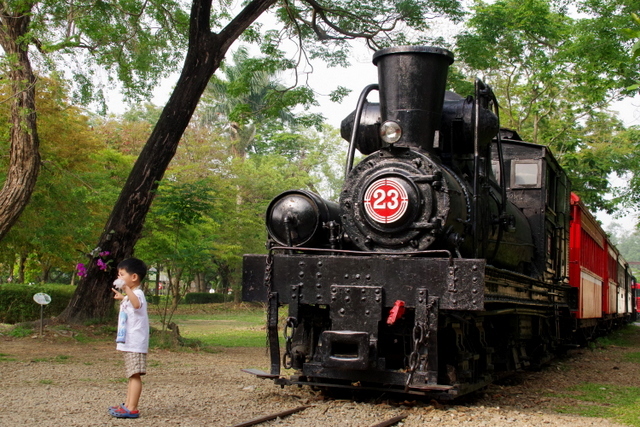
(334, 23)
(77, 186)
(24, 152)
(132, 40)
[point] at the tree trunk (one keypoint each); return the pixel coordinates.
(46, 274)
(12, 267)
(24, 163)
(201, 284)
(224, 272)
(176, 291)
(93, 297)
(22, 262)
(157, 288)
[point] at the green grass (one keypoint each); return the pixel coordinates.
(20, 332)
(83, 339)
(231, 338)
(624, 337)
(56, 359)
(108, 329)
(605, 401)
(616, 402)
(220, 327)
(632, 357)
(6, 358)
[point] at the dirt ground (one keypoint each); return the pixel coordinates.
(56, 380)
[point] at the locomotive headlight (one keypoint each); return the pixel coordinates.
(390, 132)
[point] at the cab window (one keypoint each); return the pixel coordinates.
(525, 174)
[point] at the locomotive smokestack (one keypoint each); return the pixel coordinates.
(412, 83)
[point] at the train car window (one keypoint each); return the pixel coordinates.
(525, 174)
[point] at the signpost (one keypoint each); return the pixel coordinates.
(42, 299)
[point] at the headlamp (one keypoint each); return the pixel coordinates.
(390, 132)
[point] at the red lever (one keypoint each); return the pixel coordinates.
(396, 312)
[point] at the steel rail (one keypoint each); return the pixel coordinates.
(391, 421)
(260, 420)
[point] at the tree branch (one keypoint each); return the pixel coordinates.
(242, 21)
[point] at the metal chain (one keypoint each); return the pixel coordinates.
(287, 359)
(292, 322)
(267, 273)
(420, 337)
(268, 284)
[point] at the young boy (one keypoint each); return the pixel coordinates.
(133, 333)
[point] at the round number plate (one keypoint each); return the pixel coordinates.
(386, 200)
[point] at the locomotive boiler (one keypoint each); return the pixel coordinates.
(444, 263)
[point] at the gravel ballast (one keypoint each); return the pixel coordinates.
(56, 381)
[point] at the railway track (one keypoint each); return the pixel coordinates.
(259, 420)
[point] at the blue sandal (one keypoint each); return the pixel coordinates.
(123, 412)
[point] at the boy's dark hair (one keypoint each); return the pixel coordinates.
(134, 265)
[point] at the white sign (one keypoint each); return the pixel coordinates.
(42, 298)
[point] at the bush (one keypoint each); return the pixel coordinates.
(205, 298)
(17, 304)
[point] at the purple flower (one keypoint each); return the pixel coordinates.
(82, 271)
(101, 264)
(105, 253)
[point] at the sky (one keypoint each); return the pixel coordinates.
(362, 72)
(321, 78)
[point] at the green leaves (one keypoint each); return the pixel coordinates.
(379, 23)
(137, 42)
(184, 203)
(555, 74)
(78, 183)
(634, 34)
(338, 94)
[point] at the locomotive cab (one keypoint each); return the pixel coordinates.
(536, 184)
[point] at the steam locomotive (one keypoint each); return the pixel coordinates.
(447, 262)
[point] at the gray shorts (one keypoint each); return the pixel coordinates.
(135, 363)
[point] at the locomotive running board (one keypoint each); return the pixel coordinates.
(445, 392)
(440, 391)
(260, 374)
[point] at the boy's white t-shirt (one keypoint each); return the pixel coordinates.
(137, 325)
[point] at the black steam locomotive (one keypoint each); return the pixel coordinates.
(443, 266)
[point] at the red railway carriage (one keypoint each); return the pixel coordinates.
(600, 275)
(587, 261)
(636, 300)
